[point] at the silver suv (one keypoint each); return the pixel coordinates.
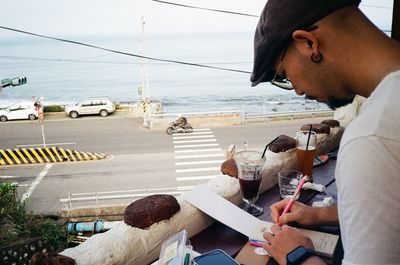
(101, 106)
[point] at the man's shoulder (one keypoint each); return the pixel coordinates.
(380, 114)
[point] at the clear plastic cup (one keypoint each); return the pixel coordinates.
(288, 181)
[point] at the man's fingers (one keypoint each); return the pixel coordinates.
(275, 216)
(287, 218)
(269, 237)
(275, 229)
(268, 248)
(277, 209)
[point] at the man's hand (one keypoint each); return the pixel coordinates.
(284, 239)
(304, 214)
(299, 213)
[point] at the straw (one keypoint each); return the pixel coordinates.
(308, 139)
(265, 149)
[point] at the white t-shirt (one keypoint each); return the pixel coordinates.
(368, 179)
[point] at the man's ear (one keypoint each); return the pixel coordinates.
(305, 42)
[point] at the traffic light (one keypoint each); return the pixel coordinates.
(17, 81)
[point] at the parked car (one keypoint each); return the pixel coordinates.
(18, 111)
(100, 106)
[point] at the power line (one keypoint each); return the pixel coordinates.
(208, 9)
(244, 14)
(102, 55)
(25, 58)
(125, 53)
(117, 52)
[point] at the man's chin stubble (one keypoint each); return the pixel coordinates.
(333, 103)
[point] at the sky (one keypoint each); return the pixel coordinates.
(122, 17)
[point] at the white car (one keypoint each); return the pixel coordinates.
(100, 106)
(18, 111)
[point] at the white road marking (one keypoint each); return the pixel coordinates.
(198, 150)
(195, 145)
(197, 169)
(193, 137)
(199, 162)
(192, 157)
(31, 145)
(195, 141)
(198, 156)
(196, 178)
(36, 182)
(190, 134)
(198, 130)
(8, 177)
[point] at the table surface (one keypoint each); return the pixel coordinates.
(223, 237)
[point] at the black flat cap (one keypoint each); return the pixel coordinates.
(279, 19)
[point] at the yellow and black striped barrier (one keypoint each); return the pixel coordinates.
(21, 156)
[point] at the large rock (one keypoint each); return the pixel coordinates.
(229, 168)
(317, 128)
(40, 258)
(282, 144)
(150, 210)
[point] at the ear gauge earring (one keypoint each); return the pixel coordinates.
(316, 58)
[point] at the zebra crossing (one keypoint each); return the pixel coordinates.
(198, 156)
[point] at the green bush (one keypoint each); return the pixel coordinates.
(53, 108)
(17, 224)
(49, 231)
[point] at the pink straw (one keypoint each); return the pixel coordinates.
(287, 208)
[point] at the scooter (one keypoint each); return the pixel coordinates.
(179, 128)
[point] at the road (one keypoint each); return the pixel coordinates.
(137, 158)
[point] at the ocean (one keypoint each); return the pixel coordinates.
(65, 73)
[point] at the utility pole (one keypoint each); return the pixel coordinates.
(145, 84)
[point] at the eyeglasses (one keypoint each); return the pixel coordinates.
(281, 80)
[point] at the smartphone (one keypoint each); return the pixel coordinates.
(215, 257)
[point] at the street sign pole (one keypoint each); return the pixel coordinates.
(44, 138)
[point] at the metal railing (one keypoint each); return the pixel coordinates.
(246, 117)
(127, 195)
(291, 114)
(161, 115)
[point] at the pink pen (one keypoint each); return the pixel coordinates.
(297, 191)
(256, 243)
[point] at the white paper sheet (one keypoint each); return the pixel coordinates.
(222, 210)
(231, 215)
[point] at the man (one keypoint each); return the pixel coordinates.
(329, 51)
